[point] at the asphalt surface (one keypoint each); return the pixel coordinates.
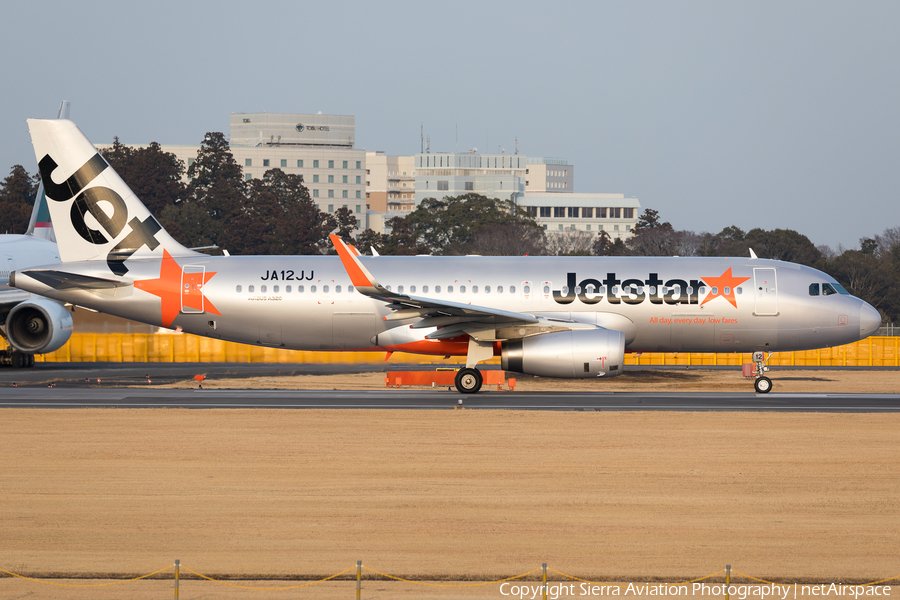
(87, 385)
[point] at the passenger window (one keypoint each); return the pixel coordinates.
(462, 289)
(312, 289)
(250, 288)
(387, 287)
(238, 289)
(275, 289)
(299, 289)
(487, 289)
(350, 288)
(337, 289)
(652, 290)
(449, 289)
(827, 290)
(474, 289)
(512, 289)
(727, 290)
(424, 289)
(412, 289)
(437, 289)
(614, 290)
(262, 289)
(715, 290)
(324, 289)
(702, 289)
(287, 289)
(739, 290)
(527, 289)
(564, 290)
(399, 289)
(499, 289)
(546, 289)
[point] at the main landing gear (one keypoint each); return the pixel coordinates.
(468, 381)
(762, 384)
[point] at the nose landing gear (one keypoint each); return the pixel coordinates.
(762, 384)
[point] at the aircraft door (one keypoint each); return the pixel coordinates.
(192, 277)
(527, 291)
(765, 292)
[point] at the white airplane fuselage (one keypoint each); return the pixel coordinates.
(309, 303)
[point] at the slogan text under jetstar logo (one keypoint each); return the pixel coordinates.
(654, 289)
(143, 233)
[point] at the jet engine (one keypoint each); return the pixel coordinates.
(38, 325)
(572, 354)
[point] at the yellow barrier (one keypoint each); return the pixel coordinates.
(171, 348)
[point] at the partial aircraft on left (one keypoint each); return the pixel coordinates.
(30, 323)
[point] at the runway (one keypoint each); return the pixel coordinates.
(51, 398)
(93, 385)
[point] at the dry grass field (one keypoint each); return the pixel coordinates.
(446, 494)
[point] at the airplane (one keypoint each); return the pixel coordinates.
(568, 317)
(32, 325)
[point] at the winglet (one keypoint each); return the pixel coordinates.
(359, 275)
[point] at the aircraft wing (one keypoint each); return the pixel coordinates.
(454, 318)
(60, 280)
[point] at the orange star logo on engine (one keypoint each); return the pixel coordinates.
(722, 283)
(177, 290)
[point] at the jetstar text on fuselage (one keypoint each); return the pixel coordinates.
(636, 291)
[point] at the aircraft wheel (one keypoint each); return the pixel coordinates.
(19, 360)
(468, 381)
(30, 360)
(763, 385)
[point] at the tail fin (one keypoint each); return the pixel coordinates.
(39, 225)
(94, 213)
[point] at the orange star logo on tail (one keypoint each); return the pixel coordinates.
(177, 289)
(720, 284)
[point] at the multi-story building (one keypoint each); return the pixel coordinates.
(549, 175)
(453, 174)
(613, 213)
(390, 182)
(320, 148)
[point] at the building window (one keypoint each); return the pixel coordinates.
(443, 186)
(247, 176)
(560, 227)
(545, 212)
(284, 162)
(358, 194)
(470, 185)
(367, 194)
(358, 179)
(588, 228)
(587, 213)
(331, 179)
(532, 210)
(358, 207)
(330, 164)
(345, 164)
(573, 212)
(315, 179)
(601, 213)
(190, 161)
(367, 170)
(344, 194)
(331, 208)
(615, 227)
(248, 162)
(315, 193)
(345, 179)
(300, 164)
(559, 212)
(615, 213)
(315, 164)
(629, 213)
(265, 162)
(628, 228)
(359, 164)
(330, 195)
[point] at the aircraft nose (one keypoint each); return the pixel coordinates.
(869, 320)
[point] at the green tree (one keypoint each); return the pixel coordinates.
(448, 226)
(17, 194)
(649, 220)
(152, 174)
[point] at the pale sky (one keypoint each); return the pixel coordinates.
(755, 114)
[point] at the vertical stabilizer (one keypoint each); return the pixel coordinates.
(94, 214)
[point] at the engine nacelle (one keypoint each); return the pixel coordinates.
(38, 325)
(572, 354)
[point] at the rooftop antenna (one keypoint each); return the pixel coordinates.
(456, 147)
(428, 144)
(422, 138)
(517, 144)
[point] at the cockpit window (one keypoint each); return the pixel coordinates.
(841, 289)
(827, 290)
(814, 289)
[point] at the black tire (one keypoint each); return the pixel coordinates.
(19, 360)
(468, 381)
(763, 385)
(30, 360)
